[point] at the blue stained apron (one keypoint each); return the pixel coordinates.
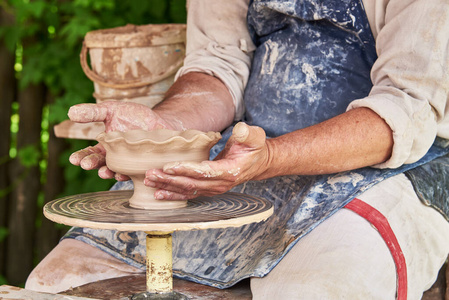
(312, 59)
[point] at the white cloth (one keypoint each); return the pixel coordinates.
(346, 258)
(218, 44)
(410, 77)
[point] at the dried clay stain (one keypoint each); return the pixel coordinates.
(110, 59)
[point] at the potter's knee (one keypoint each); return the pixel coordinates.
(35, 283)
(41, 279)
(59, 270)
(73, 263)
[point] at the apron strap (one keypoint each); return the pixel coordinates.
(379, 221)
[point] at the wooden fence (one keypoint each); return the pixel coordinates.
(25, 236)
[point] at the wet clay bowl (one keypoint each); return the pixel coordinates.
(134, 152)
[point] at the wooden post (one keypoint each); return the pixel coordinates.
(48, 234)
(23, 204)
(7, 88)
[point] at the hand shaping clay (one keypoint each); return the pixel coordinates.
(134, 152)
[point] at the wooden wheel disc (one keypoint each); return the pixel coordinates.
(110, 210)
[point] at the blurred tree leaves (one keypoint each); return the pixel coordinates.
(47, 37)
(29, 156)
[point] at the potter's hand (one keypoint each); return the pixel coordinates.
(116, 116)
(244, 158)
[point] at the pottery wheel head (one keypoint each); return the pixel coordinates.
(110, 210)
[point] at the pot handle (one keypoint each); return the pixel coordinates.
(136, 83)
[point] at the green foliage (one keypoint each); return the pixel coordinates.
(29, 156)
(47, 36)
(3, 280)
(3, 233)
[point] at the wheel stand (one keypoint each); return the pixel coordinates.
(110, 210)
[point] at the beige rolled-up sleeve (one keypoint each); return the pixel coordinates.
(410, 77)
(218, 44)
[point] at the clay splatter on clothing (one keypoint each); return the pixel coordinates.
(312, 59)
(222, 257)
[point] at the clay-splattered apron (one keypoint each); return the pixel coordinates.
(312, 59)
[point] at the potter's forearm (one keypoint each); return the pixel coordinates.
(197, 101)
(355, 139)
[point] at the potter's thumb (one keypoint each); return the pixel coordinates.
(87, 112)
(252, 136)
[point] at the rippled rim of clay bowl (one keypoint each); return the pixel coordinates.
(158, 137)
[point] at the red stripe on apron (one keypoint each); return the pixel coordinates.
(379, 221)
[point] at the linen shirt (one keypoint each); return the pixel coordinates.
(222, 257)
(410, 77)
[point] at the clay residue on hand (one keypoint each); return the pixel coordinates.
(201, 168)
(87, 112)
(234, 172)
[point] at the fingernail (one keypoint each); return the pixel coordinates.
(86, 164)
(169, 171)
(159, 196)
(151, 177)
(73, 159)
(149, 183)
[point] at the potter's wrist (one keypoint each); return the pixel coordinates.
(266, 164)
